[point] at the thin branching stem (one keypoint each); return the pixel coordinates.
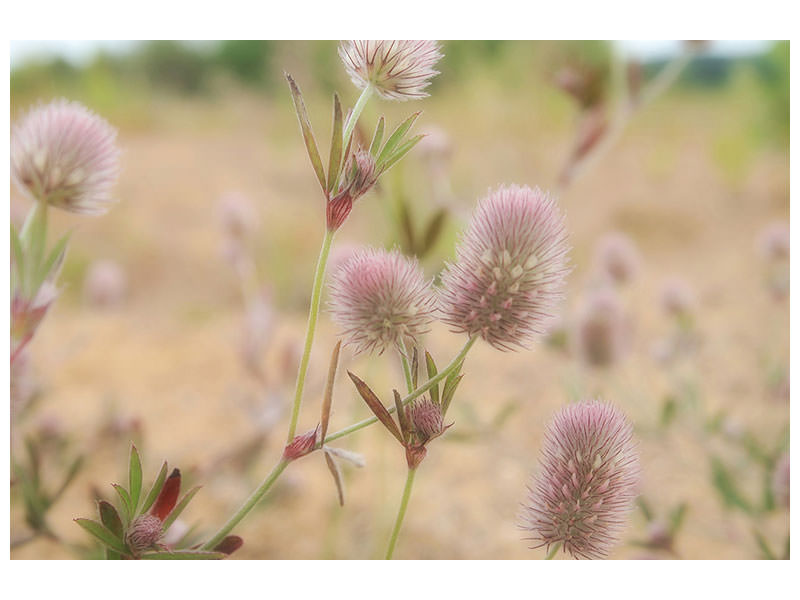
(401, 513)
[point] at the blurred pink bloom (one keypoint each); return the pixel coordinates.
(617, 257)
(602, 329)
(510, 269)
(66, 155)
(236, 215)
(381, 299)
(677, 298)
(398, 69)
(106, 284)
(258, 330)
(27, 315)
(773, 241)
(587, 482)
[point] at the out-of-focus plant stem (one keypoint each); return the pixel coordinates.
(662, 81)
(401, 513)
(553, 552)
(313, 313)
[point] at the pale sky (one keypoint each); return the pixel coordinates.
(79, 51)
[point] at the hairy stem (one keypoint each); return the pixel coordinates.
(313, 313)
(254, 498)
(401, 513)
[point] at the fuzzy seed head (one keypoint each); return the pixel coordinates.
(380, 299)
(587, 482)
(398, 69)
(67, 155)
(426, 416)
(510, 269)
(602, 332)
(617, 257)
(144, 532)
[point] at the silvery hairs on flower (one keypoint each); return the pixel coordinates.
(587, 482)
(510, 269)
(398, 69)
(380, 299)
(66, 155)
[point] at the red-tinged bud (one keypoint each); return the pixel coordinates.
(427, 419)
(414, 455)
(301, 445)
(168, 496)
(337, 210)
(144, 532)
(360, 173)
(229, 545)
(27, 315)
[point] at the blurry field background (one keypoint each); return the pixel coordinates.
(693, 181)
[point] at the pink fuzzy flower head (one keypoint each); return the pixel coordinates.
(589, 477)
(66, 155)
(106, 284)
(427, 419)
(617, 257)
(397, 69)
(677, 297)
(510, 269)
(380, 299)
(145, 532)
(602, 333)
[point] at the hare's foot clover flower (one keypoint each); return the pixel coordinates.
(381, 299)
(510, 269)
(65, 155)
(588, 480)
(602, 334)
(397, 69)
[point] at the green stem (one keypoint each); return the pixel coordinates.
(406, 367)
(552, 553)
(357, 110)
(415, 394)
(313, 313)
(401, 513)
(247, 506)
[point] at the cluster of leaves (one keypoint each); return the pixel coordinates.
(411, 438)
(113, 530)
(37, 498)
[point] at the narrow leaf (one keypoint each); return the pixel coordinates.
(396, 137)
(167, 496)
(415, 367)
(17, 254)
(110, 518)
(353, 458)
(229, 545)
(180, 507)
(126, 501)
(337, 476)
(155, 489)
(112, 554)
(407, 224)
(183, 555)
(308, 135)
(335, 159)
(449, 391)
(327, 399)
(726, 486)
(102, 533)
(433, 231)
(677, 517)
(645, 507)
(763, 545)
(401, 416)
(135, 478)
(376, 407)
(54, 260)
(400, 153)
(72, 472)
(431, 368)
(377, 138)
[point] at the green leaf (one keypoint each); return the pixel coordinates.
(110, 518)
(377, 138)
(112, 555)
(308, 135)
(677, 517)
(726, 486)
(763, 545)
(431, 367)
(126, 501)
(450, 385)
(102, 533)
(155, 489)
(53, 262)
(396, 137)
(415, 368)
(135, 478)
(183, 555)
(17, 253)
(405, 428)
(433, 231)
(180, 506)
(400, 152)
(377, 408)
(72, 472)
(407, 224)
(645, 507)
(327, 399)
(335, 159)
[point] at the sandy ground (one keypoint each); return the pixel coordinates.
(168, 355)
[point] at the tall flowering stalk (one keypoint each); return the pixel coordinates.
(588, 480)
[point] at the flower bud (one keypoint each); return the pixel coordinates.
(144, 532)
(426, 416)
